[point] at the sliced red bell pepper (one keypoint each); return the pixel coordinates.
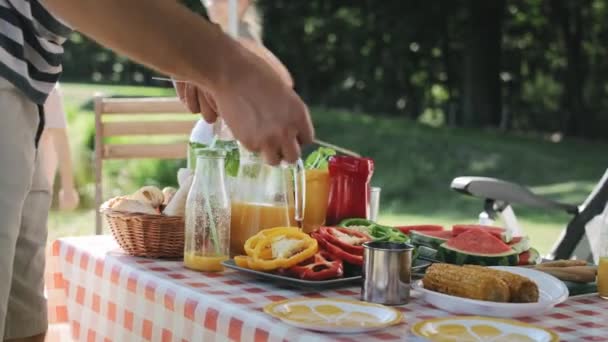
(347, 239)
(336, 251)
(321, 266)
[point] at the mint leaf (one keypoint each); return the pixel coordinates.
(319, 158)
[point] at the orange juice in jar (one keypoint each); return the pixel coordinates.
(602, 277)
(247, 219)
(317, 195)
(602, 266)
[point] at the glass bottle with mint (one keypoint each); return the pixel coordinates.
(216, 135)
(200, 137)
(207, 221)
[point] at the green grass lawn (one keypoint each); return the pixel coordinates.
(414, 165)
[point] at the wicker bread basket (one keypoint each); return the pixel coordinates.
(145, 235)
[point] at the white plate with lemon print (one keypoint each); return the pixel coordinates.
(477, 329)
(334, 315)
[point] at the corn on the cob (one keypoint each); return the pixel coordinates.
(521, 289)
(465, 282)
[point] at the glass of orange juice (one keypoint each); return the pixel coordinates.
(602, 268)
(317, 196)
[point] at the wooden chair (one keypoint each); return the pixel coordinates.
(137, 125)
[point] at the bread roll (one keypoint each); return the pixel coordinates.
(133, 206)
(149, 194)
(168, 193)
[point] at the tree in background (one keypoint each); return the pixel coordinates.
(482, 54)
(570, 18)
(528, 65)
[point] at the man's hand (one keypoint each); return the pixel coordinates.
(197, 100)
(263, 112)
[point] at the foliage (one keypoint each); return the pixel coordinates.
(319, 158)
(425, 60)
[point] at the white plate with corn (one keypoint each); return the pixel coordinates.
(490, 291)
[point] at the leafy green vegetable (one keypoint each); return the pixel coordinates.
(376, 231)
(319, 159)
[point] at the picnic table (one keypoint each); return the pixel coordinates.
(106, 295)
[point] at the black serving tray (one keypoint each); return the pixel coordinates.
(419, 266)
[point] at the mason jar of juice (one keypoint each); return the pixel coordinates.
(207, 221)
(317, 196)
(265, 197)
(602, 268)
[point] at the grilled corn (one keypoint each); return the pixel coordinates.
(521, 289)
(465, 282)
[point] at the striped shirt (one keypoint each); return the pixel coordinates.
(31, 49)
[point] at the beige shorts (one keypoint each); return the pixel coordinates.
(24, 204)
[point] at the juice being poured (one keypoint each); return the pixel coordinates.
(317, 194)
(247, 219)
(602, 277)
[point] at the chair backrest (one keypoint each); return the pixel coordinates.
(578, 240)
(116, 117)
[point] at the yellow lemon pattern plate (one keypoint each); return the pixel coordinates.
(334, 315)
(477, 329)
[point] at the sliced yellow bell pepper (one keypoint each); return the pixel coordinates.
(262, 258)
(242, 261)
(252, 241)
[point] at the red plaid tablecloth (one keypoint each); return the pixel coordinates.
(108, 296)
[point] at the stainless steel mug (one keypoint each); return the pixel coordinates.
(387, 268)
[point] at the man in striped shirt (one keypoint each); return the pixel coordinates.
(262, 112)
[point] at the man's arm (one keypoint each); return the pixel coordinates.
(264, 114)
(162, 34)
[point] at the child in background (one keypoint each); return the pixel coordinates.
(55, 151)
(250, 36)
(249, 31)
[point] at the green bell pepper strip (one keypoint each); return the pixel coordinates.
(379, 232)
(355, 222)
(388, 234)
(376, 231)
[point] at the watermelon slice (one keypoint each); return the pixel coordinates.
(432, 239)
(421, 228)
(477, 247)
(529, 257)
(520, 244)
(501, 233)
